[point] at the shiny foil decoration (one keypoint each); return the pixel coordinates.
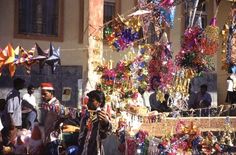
(134, 23)
(212, 33)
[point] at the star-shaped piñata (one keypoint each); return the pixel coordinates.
(54, 57)
(25, 58)
(7, 57)
(41, 57)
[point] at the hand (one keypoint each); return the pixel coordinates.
(102, 117)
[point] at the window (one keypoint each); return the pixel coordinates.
(39, 19)
(111, 9)
(201, 12)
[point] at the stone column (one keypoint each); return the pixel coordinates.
(95, 43)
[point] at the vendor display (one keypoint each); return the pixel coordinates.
(147, 92)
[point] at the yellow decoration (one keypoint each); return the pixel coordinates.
(7, 57)
(212, 33)
(224, 36)
(134, 23)
(160, 96)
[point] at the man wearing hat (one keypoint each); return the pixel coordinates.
(52, 107)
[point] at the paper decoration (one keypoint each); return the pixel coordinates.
(12, 58)
(24, 58)
(7, 58)
(54, 58)
(140, 12)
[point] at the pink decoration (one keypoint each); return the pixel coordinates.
(213, 22)
(167, 3)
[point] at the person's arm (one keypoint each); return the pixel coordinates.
(197, 101)
(208, 100)
(105, 125)
(152, 102)
(10, 110)
(26, 106)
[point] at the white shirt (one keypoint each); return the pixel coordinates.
(30, 99)
(1, 126)
(143, 100)
(233, 77)
(13, 106)
(140, 100)
(231, 83)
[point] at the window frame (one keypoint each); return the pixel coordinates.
(109, 3)
(117, 11)
(117, 7)
(44, 37)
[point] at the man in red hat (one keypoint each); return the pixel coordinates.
(52, 107)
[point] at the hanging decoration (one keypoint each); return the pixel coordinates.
(228, 43)
(212, 33)
(124, 31)
(54, 57)
(161, 69)
(7, 58)
(12, 58)
(179, 90)
(194, 54)
(24, 58)
(129, 74)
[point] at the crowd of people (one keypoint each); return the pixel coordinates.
(19, 117)
(20, 114)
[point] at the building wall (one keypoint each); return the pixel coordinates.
(72, 52)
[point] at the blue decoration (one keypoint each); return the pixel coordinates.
(142, 64)
(116, 45)
(195, 145)
(142, 50)
(54, 57)
(140, 78)
(169, 15)
(126, 35)
(233, 69)
(72, 150)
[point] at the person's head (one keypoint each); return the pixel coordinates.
(99, 87)
(203, 88)
(155, 83)
(47, 91)
(96, 99)
(18, 83)
(30, 89)
(141, 90)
